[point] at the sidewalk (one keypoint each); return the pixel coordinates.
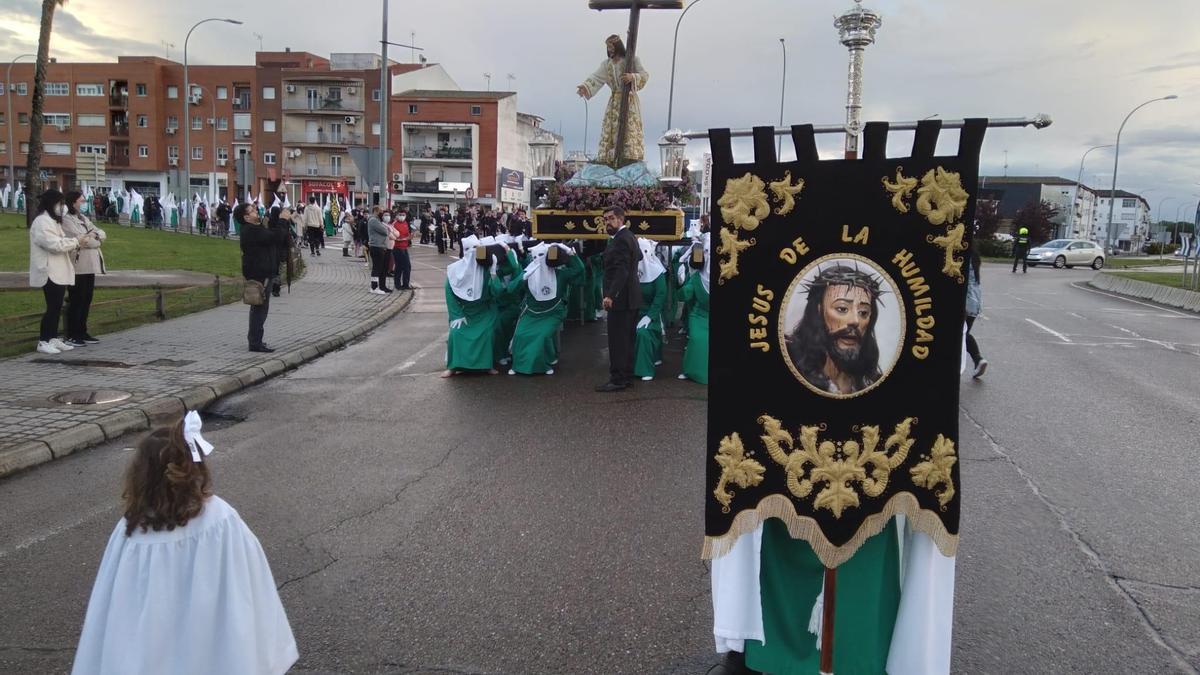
(180, 364)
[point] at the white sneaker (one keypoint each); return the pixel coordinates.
(658, 363)
(511, 371)
(682, 376)
(47, 348)
(376, 291)
(980, 368)
(647, 378)
(60, 345)
(550, 372)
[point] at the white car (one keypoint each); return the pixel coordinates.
(1066, 253)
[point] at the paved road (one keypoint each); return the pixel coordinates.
(527, 525)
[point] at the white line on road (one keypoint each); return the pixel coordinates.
(416, 357)
(1136, 302)
(1051, 331)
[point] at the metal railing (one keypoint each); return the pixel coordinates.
(323, 137)
(438, 153)
(302, 104)
(118, 100)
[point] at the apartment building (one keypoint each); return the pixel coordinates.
(1131, 219)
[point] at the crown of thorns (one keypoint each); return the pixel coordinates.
(840, 275)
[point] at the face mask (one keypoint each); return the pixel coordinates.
(61, 210)
(387, 219)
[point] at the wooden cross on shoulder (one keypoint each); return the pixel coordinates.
(635, 7)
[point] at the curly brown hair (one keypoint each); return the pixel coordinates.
(164, 488)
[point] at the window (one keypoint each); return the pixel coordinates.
(197, 92)
(58, 89)
(241, 121)
(172, 91)
(3, 148)
(335, 165)
(89, 120)
(22, 89)
(465, 176)
(93, 149)
(57, 148)
(140, 89)
(223, 123)
(143, 151)
(268, 93)
(374, 128)
(142, 121)
(57, 119)
(1128, 203)
(197, 152)
(222, 93)
(22, 118)
(24, 147)
(89, 90)
(268, 126)
(172, 122)
(3, 121)
(268, 158)
(476, 110)
(197, 123)
(335, 93)
(412, 108)
(3, 88)
(223, 153)
(375, 94)
(173, 151)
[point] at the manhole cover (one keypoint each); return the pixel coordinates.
(90, 397)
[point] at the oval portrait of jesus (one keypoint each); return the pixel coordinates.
(841, 326)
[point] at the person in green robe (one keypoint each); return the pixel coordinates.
(508, 300)
(535, 341)
(694, 292)
(648, 344)
(470, 293)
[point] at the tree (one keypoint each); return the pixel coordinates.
(33, 165)
(987, 218)
(1038, 216)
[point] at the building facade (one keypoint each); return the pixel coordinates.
(1082, 211)
(1131, 219)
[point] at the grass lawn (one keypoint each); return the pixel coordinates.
(133, 248)
(1148, 261)
(1172, 279)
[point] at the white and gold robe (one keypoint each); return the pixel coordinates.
(609, 73)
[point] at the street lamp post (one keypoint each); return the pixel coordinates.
(12, 151)
(1078, 182)
(1160, 220)
(186, 121)
(674, 48)
(1112, 195)
(782, 89)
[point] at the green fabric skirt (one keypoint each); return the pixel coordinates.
(868, 596)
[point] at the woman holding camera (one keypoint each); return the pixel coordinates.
(88, 263)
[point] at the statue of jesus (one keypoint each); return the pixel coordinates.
(612, 72)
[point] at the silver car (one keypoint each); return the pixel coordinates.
(1066, 253)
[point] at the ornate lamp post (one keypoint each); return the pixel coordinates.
(542, 151)
(856, 30)
(672, 148)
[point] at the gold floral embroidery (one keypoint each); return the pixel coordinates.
(596, 226)
(743, 206)
(570, 224)
(643, 226)
(784, 190)
(935, 470)
(841, 466)
(951, 243)
(900, 190)
(731, 247)
(736, 468)
(941, 197)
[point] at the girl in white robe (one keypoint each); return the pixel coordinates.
(184, 586)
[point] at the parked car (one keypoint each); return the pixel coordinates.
(1067, 253)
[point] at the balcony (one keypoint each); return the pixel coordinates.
(119, 130)
(322, 138)
(118, 100)
(241, 104)
(321, 170)
(118, 160)
(322, 105)
(444, 152)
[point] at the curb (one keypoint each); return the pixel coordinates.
(64, 442)
(1144, 290)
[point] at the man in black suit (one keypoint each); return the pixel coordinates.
(622, 298)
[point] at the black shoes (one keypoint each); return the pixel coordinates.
(262, 348)
(611, 386)
(89, 339)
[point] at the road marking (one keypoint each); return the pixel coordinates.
(43, 536)
(1051, 331)
(1136, 302)
(1079, 316)
(1035, 304)
(412, 361)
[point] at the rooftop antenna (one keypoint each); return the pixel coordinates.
(510, 77)
(488, 77)
(260, 44)
(167, 48)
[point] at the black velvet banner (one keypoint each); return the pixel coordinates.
(837, 300)
(657, 225)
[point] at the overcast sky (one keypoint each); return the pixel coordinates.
(1085, 62)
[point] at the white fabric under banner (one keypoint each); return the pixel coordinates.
(737, 609)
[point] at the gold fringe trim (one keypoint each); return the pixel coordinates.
(806, 528)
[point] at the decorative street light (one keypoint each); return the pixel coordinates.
(187, 97)
(542, 152)
(674, 47)
(1109, 240)
(8, 96)
(672, 149)
(1072, 224)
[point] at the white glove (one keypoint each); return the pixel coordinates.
(494, 265)
(645, 321)
(458, 323)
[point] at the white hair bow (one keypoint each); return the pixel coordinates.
(191, 434)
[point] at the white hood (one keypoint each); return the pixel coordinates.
(540, 278)
(465, 275)
(650, 267)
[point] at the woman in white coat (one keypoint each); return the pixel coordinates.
(51, 267)
(88, 263)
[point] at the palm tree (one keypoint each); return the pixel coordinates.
(33, 165)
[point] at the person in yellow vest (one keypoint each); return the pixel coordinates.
(1021, 250)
